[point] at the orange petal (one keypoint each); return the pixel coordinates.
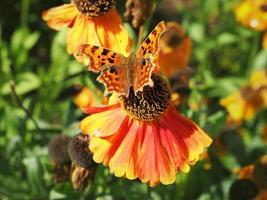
(153, 152)
(194, 137)
(175, 59)
(61, 16)
(175, 147)
(112, 34)
(154, 166)
(100, 124)
(92, 110)
(123, 152)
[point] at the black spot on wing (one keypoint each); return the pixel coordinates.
(110, 60)
(113, 70)
(94, 48)
(105, 52)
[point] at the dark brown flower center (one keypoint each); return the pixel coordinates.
(171, 38)
(263, 7)
(93, 8)
(150, 103)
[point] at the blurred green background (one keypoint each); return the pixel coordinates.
(44, 76)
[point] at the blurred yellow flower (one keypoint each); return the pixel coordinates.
(86, 98)
(258, 78)
(175, 49)
(253, 14)
(243, 104)
(90, 22)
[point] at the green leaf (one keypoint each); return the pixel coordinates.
(24, 83)
(260, 60)
(31, 40)
(226, 38)
(196, 32)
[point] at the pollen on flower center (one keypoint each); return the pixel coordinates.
(150, 103)
(93, 8)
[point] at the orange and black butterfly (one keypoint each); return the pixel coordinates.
(117, 72)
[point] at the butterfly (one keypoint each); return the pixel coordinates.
(119, 73)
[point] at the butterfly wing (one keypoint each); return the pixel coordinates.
(99, 57)
(145, 58)
(115, 79)
(150, 46)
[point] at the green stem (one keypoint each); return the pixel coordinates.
(20, 104)
(24, 12)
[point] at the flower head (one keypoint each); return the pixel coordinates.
(143, 136)
(86, 98)
(92, 22)
(253, 14)
(243, 104)
(175, 49)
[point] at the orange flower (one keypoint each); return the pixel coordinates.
(143, 136)
(256, 175)
(253, 14)
(175, 49)
(87, 98)
(245, 172)
(243, 104)
(92, 22)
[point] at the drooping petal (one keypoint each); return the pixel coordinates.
(194, 138)
(154, 165)
(61, 16)
(152, 152)
(111, 33)
(175, 147)
(93, 110)
(82, 32)
(101, 124)
(123, 151)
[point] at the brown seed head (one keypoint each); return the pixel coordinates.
(79, 151)
(58, 149)
(137, 11)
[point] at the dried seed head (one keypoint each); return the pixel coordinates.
(150, 103)
(93, 8)
(61, 172)
(79, 151)
(244, 189)
(137, 11)
(58, 149)
(82, 177)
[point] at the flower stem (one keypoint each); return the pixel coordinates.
(20, 104)
(140, 36)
